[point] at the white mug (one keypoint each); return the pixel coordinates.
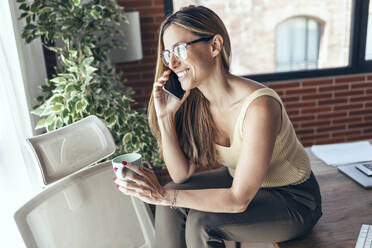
(134, 158)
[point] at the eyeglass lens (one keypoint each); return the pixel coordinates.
(179, 51)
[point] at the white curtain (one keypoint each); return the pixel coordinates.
(22, 69)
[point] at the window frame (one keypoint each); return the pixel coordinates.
(357, 62)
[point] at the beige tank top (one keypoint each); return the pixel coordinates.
(289, 164)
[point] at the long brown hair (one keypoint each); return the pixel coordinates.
(194, 122)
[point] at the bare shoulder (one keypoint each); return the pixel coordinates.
(267, 109)
(244, 86)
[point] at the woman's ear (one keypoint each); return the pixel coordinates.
(217, 44)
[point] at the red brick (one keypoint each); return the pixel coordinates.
(290, 99)
(135, 68)
(315, 137)
(307, 144)
(149, 51)
(361, 85)
(331, 128)
(149, 27)
(317, 82)
(359, 138)
(346, 133)
(315, 123)
(284, 85)
(334, 88)
(317, 96)
(316, 110)
(152, 10)
(159, 19)
(368, 104)
(149, 43)
(347, 120)
(281, 93)
(369, 77)
(360, 99)
(332, 101)
(138, 4)
(349, 93)
(149, 60)
(348, 106)
(303, 118)
(369, 91)
(367, 118)
(300, 105)
(367, 130)
(149, 75)
(329, 141)
(349, 79)
(157, 2)
(332, 115)
(147, 19)
(359, 125)
(301, 91)
(361, 112)
(305, 131)
(140, 83)
(293, 112)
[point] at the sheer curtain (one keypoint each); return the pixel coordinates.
(22, 69)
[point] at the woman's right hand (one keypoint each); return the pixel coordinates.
(165, 104)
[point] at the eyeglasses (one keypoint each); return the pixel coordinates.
(180, 50)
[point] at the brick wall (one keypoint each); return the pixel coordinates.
(322, 110)
(329, 110)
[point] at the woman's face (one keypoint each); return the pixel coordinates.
(198, 64)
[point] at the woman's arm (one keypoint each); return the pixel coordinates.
(178, 167)
(166, 107)
(261, 125)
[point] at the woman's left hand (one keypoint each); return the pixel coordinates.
(146, 186)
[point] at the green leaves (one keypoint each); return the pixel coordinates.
(82, 35)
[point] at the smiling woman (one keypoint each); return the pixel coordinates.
(264, 190)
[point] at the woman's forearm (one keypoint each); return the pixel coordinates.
(221, 200)
(177, 165)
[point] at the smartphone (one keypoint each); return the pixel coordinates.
(173, 86)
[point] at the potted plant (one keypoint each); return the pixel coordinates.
(85, 82)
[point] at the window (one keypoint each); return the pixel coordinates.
(297, 44)
(368, 55)
(286, 39)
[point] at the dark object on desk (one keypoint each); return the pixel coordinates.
(366, 168)
(357, 175)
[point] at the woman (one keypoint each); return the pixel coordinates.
(264, 190)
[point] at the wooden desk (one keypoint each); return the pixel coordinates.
(346, 206)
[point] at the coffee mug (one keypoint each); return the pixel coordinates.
(133, 158)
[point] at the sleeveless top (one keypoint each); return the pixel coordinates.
(289, 164)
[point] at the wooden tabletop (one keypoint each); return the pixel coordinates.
(346, 206)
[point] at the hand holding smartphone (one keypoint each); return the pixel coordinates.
(173, 86)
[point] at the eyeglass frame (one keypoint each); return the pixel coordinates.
(186, 44)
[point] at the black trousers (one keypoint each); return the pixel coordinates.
(274, 215)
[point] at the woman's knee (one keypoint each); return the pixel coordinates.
(197, 223)
(201, 230)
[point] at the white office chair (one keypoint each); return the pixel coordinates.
(82, 207)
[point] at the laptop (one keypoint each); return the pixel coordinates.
(358, 172)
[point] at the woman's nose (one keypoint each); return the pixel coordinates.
(174, 61)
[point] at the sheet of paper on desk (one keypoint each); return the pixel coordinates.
(344, 153)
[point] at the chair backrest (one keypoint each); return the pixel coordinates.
(85, 210)
(82, 208)
(66, 150)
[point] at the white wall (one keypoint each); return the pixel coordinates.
(22, 70)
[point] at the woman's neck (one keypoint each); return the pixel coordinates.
(217, 88)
